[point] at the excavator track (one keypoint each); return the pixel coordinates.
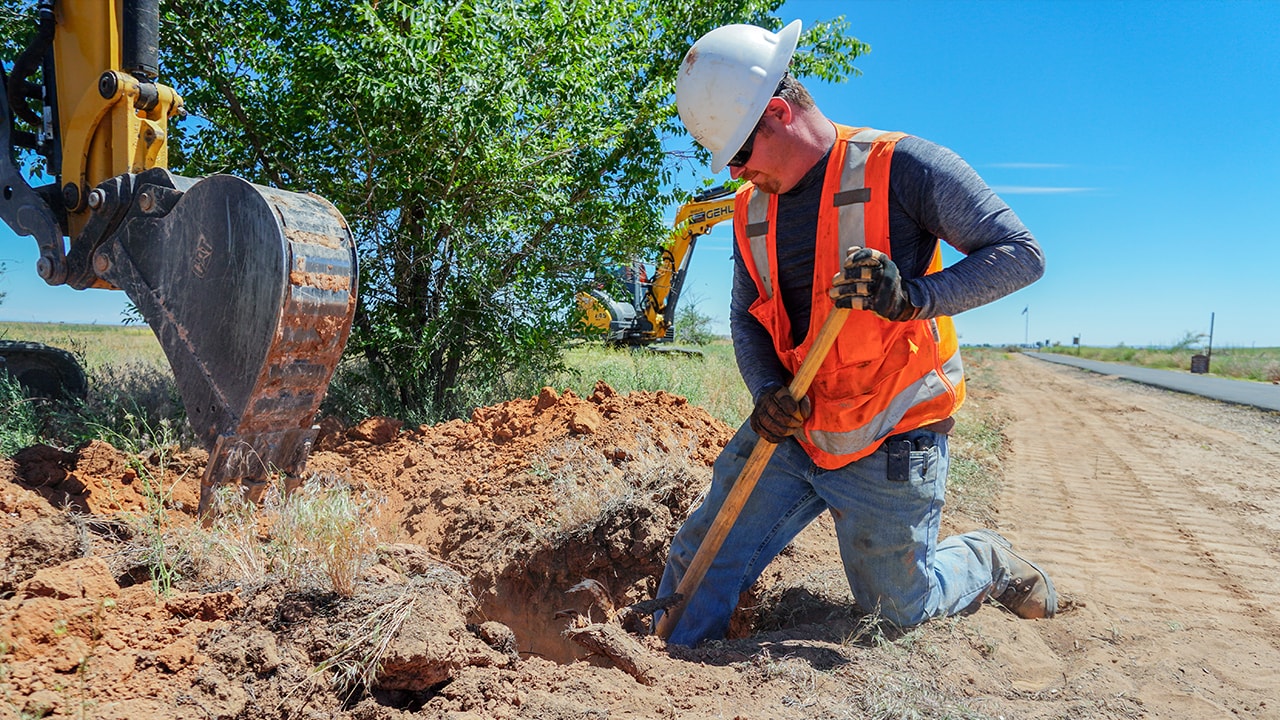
(251, 292)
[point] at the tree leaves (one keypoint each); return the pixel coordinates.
(489, 156)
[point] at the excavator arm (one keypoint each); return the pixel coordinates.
(250, 290)
(693, 220)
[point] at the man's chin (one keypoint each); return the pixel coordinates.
(766, 184)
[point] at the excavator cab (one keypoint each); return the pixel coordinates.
(251, 290)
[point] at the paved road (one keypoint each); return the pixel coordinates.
(1241, 392)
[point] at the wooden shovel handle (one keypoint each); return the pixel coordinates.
(747, 479)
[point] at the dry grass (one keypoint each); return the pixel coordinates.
(320, 537)
(333, 527)
(590, 486)
(978, 444)
(151, 546)
(874, 676)
(357, 662)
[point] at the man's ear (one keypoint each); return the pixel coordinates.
(779, 109)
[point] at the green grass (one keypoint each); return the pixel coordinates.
(19, 421)
(131, 390)
(1258, 364)
(710, 381)
(93, 345)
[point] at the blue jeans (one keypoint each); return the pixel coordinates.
(887, 532)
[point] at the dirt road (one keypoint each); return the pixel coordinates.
(1159, 517)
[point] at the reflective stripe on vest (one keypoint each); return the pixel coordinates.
(881, 377)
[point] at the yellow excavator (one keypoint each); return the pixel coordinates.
(251, 290)
(647, 317)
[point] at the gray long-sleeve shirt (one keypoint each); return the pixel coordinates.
(933, 194)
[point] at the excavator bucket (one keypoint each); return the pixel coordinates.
(251, 291)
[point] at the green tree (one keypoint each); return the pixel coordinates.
(692, 325)
(1189, 341)
(488, 155)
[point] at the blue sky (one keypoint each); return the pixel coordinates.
(1140, 142)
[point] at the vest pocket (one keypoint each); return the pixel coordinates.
(768, 310)
(853, 393)
(866, 360)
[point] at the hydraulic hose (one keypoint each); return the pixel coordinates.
(28, 63)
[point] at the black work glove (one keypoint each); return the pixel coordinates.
(778, 415)
(870, 281)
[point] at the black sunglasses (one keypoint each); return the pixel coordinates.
(743, 155)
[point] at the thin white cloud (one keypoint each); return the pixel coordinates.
(1037, 190)
(1028, 166)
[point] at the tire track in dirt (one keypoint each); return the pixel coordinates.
(1171, 589)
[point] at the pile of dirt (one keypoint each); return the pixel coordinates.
(530, 497)
(489, 525)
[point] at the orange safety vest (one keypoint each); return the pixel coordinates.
(880, 377)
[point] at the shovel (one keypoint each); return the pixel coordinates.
(747, 479)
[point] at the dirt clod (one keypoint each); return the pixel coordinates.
(376, 430)
(83, 578)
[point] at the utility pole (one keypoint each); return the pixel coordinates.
(1209, 352)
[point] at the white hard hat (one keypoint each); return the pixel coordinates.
(726, 81)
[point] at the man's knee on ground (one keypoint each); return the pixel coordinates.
(901, 611)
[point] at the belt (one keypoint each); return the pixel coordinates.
(942, 427)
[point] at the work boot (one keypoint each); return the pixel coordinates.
(1029, 594)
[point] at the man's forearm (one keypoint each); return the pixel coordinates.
(757, 362)
(941, 196)
(982, 277)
